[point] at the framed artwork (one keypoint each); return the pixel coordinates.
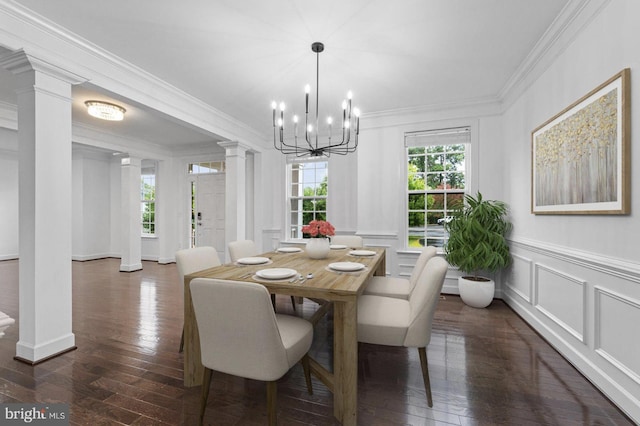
(580, 157)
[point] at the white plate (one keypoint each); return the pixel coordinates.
(337, 246)
(289, 249)
(362, 253)
(252, 260)
(276, 273)
(346, 266)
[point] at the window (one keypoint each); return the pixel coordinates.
(207, 167)
(148, 201)
(436, 182)
(307, 194)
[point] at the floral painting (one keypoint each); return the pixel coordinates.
(579, 157)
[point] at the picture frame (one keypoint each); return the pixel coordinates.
(580, 158)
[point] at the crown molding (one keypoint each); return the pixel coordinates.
(21, 28)
(573, 18)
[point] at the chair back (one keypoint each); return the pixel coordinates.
(238, 330)
(242, 248)
(347, 240)
(423, 301)
(196, 259)
(427, 253)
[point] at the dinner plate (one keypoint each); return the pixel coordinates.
(252, 260)
(337, 246)
(362, 253)
(289, 249)
(276, 273)
(346, 266)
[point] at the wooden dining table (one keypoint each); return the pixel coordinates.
(336, 289)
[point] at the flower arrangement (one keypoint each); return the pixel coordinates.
(319, 229)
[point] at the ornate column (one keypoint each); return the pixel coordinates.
(44, 152)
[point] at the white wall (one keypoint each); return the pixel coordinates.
(8, 194)
(576, 279)
(91, 200)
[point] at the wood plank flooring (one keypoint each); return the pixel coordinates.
(487, 366)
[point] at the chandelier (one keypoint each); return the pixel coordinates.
(311, 146)
(105, 110)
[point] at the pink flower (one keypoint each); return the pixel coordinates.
(319, 229)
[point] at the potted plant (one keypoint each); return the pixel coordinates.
(477, 243)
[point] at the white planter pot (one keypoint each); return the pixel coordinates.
(477, 294)
(318, 248)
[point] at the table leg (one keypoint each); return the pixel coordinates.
(345, 362)
(193, 369)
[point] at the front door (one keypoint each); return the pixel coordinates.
(208, 211)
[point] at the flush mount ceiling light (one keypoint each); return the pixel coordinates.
(311, 147)
(105, 110)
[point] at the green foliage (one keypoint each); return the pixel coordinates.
(477, 236)
(315, 209)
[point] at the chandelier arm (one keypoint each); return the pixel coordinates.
(313, 147)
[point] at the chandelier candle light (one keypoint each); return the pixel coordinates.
(311, 145)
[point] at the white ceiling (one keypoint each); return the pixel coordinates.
(238, 56)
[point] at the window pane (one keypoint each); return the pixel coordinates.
(416, 219)
(308, 190)
(436, 201)
(416, 201)
(436, 186)
(455, 200)
(435, 181)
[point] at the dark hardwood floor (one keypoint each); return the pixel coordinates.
(487, 366)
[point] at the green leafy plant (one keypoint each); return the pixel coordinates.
(477, 234)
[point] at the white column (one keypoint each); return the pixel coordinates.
(44, 139)
(235, 191)
(131, 219)
(167, 203)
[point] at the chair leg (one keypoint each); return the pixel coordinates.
(293, 302)
(206, 384)
(272, 394)
(425, 374)
(273, 301)
(307, 373)
(182, 341)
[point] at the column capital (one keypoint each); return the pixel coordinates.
(234, 148)
(19, 62)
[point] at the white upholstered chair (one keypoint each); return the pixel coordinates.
(398, 322)
(192, 260)
(241, 335)
(242, 248)
(247, 248)
(398, 287)
(353, 241)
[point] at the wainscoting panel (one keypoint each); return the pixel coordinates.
(614, 312)
(561, 298)
(587, 306)
(519, 277)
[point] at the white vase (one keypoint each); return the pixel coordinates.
(477, 294)
(318, 248)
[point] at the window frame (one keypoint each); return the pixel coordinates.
(151, 203)
(470, 160)
(290, 197)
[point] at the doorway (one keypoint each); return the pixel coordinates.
(207, 211)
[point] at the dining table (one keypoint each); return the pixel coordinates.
(333, 282)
